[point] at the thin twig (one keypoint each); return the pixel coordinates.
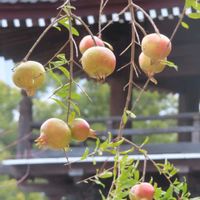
(147, 16)
(25, 176)
(86, 94)
(89, 178)
(140, 94)
(111, 21)
(144, 168)
(137, 86)
(75, 47)
(126, 48)
(42, 35)
(122, 67)
(78, 65)
(71, 44)
(178, 24)
(85, 26)
(100, 13)
(106, 26)
(56, 90)
(141, 28)
(105, 3)
(128, 98)
(15, 142)
(60, 50)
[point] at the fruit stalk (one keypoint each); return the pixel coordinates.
(132, 66)
(71, 46)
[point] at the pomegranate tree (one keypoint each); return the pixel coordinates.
(98, 62)
(54, 134)
(81, 130)
(29, 76)
(88, 42)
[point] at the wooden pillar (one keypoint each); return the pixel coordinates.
(117, 97)
(25, 120)
(188, 102)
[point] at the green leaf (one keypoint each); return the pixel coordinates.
(124, 118)
(63, 91)
(94, 161)
(85, 154)
(97, 145)
(185, 25)
(58, 63)
(59, 102)
(65, 23)
(116, 144)
(196, 5)
(55, 77)
(71, 117)
(188, 3)
(170, 64)
(76, 108)
(98, 182)
(194, 15)
(61, 56)
(75, 96)
(145, 141)
(127, 151)
(102, 196)
(105, 174)
(64, 71)
(130, 114)
(142, 151)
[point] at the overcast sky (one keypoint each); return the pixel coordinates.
(6, 70)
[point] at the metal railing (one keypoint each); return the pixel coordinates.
(188, 123)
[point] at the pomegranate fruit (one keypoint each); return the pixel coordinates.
(81, 130)
(156, 46)
(54, 134)
(150, 66)
(88, 42)
(29, 75)
(142, 191)
(98, 62)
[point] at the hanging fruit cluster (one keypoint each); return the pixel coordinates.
(155, 49)
(97, 60)
(57, 134)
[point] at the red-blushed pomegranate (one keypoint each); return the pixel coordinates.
(133, 194)
(54, 134)
(142, 191)
(156, 46)
(81, 130)
(98, 62)
(88, 42)
(151, 66)
(29, 75)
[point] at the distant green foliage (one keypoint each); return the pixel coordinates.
(10, 191)
(100, 94)
(155, 103)
(9, 101)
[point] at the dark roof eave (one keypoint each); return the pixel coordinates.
(48, 9)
